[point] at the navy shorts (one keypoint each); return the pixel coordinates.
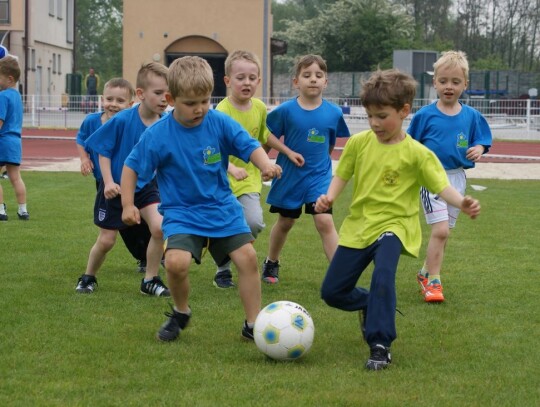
(309, 208)
(108, 212)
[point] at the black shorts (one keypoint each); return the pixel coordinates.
(219, 247)
(108, 212)
(309, 209)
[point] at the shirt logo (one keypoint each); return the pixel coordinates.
(210, 156)
(462, 141)
(390, 177)
(315, 137)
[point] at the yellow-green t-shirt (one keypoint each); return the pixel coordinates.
(254, 121)
(386, 186)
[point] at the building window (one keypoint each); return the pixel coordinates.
(33, 59)
(4, 12)
(51, 7)
(69, 21)
(59, 65)
(54, 63)
(60, 10)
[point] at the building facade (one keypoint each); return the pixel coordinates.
(41, 34)
(163, 30)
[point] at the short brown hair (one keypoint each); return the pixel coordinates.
(307, 61)
(238, 55)
(122, 84)
(190, 75)
(154, 68)
(9, 66)
(388, 88)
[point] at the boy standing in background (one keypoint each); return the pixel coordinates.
(459, 135)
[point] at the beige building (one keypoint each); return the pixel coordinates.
(163, 30)
(41, 34)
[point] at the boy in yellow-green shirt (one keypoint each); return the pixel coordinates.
(242, 76)
(387, 168)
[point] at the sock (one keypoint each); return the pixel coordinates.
(250, 325)
(188, 312)
(22, 208)
(2, 209)
(424, 271)
(271, 261)
(147, 280)
(434, 279)
(226, 266)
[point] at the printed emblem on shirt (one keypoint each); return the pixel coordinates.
(462, 141)
(315, 137)
(390, 177)
(210, 156)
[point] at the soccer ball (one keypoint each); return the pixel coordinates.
(284, 330)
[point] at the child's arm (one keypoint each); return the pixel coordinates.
(475, 153)
(276, 144)
(112, 189)
(128, 183)
(86, 163)
(325, 202)
(238, 173)
(268, 170)
(466, 203)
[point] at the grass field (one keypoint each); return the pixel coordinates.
(60, 348)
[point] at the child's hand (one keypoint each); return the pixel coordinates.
(270, 172)
(297, 159)
(111, 190)
(470, 206)
(86, 166)
(475, 153)
(323, 204)
(238, 173)
(131, 215)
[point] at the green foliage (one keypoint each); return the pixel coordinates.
(60, 348)
(99, 38)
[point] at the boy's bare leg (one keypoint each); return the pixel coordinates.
(435, 248)
(104, 243)
(278, 236)
(177, 264)
(324, 223)
(249, 282)
(154, 252)
(14, 174)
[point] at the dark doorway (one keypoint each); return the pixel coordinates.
(216, 62)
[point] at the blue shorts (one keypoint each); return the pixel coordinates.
(10, 150)
(108, 212)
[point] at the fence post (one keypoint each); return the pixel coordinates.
(528, 118)
(33, 110)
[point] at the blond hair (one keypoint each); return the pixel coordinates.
(388, 88)
(308, 60)
(145, 70)
(9, 66)
(122, 84)
(239, 55)
(190, 75)
(452, 59)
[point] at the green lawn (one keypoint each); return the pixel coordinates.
(60, 348)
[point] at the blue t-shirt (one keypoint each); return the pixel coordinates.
(191, 172)
(115, 140)
(449, 137)
(11, 113)
(90, 124)
(310, 133)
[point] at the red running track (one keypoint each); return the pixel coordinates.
(46, 146)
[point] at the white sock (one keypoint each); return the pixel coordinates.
(22, 208)
(2, 209)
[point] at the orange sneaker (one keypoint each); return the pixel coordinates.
(433, 293)
(422, 281)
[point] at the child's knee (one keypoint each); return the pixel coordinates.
(177, 262)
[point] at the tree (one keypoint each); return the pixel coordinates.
(98, 37)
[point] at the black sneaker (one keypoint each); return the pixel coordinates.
(23, 215)
(87, 284)
(362, 315)
(247, 332)
(170, 330)
(4, 175)
(4, 217)
(141, 266)
(155, 287)
(223, 279)
(270, 271)
(379, 358)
